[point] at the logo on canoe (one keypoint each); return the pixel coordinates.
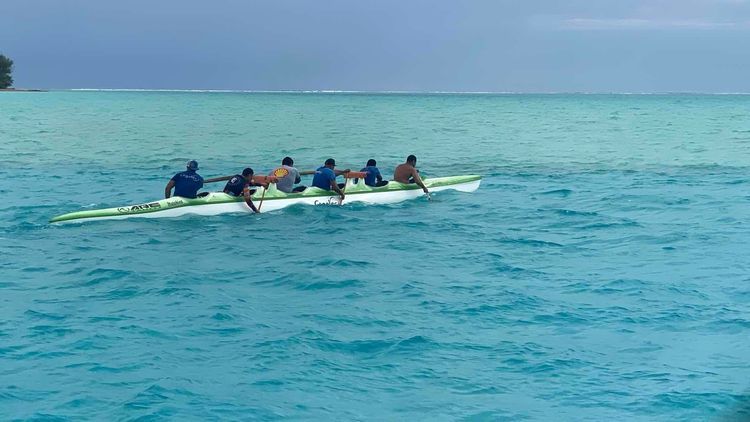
(139, 207)
(333, 200)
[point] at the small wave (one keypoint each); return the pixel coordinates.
(561, 318)
(344, 263)
(618, 224)
(624, 284)
(407, 345)
(114, 369)
(148, 332)
(554, 365)
(224, 331)
(558, 192)
(174, 291)
(220, 316)
(100, 276)
(532, 242)
(573, 213)
(330, 284)
(731, 325)
(50, 330)
(35, 269)
(43, 315)
(155, 395)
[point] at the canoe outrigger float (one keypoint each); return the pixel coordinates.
(271, 199)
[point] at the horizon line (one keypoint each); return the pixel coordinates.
(329, 91)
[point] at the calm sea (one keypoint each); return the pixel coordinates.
(600, 272)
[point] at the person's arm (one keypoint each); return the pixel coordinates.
(249, 200)
(378, 177)
(337, 189)
(340, 172)
(418, 180)
(168, 189)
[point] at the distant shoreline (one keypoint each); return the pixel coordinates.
(350, 92)
(323, 91)
(21, 90)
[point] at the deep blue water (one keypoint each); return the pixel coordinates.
(600, 271)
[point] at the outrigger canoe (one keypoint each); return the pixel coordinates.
(271, 199)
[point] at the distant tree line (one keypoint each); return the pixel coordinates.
(6, 68)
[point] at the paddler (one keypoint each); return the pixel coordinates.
(242, 185)
(287, 176)
(408, 173)
(373, 178)
(186, 183)
(325, 177)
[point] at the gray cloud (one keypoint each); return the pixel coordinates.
(639, 24)
(697, 15)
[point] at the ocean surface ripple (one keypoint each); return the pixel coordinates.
(601, 270)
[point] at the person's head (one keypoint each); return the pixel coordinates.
(371, 163)
(192, 165)
(248, 174)
(411, 160)
(330, 163)
(287, 161)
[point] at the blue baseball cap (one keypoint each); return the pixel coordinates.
(192, 165)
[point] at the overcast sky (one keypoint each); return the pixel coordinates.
(402, 45)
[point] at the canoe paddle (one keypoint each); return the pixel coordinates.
(223, 178)
(217, 179)
(267, 180)
(260, 204)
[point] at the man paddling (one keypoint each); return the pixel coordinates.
(241, 185)
(373, 178)
(408, 173)
(325, 177)
(287, 176)
(186, 183)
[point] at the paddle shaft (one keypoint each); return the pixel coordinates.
(217, 179)
(223, 178)
(260, 204)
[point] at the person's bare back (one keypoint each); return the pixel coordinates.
(407, 173)
(404, 172)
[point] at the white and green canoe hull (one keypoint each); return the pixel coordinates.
(216, 203)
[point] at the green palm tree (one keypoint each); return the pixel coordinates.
(6, 68)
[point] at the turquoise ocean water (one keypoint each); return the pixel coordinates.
(600, 271)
